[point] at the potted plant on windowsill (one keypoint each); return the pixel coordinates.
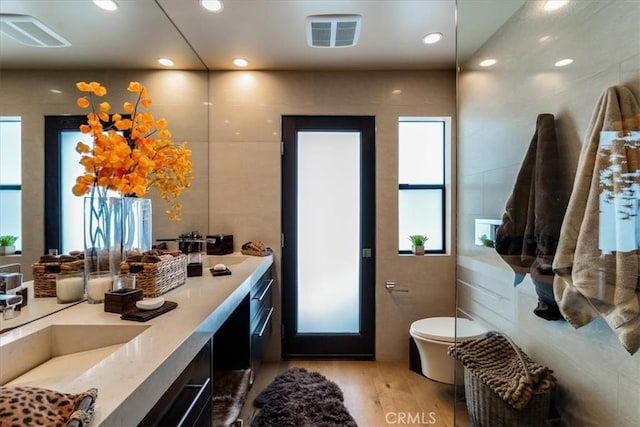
(417, 243)
(6, 245)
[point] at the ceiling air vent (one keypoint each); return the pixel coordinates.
(29, 31)
(333, 30)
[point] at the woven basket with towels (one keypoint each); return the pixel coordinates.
(503, 386)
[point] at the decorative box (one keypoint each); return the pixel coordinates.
(223, 244)
(122, 300)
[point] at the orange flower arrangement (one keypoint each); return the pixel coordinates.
(130, 154)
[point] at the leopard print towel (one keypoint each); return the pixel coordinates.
(31, 406)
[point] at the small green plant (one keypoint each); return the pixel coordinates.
(8, 240)
(486, 241)
(418, 239)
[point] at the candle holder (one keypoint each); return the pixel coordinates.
(98, 284)
(69, 287)
(124, 281)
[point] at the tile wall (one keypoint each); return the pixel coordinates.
(245, 174)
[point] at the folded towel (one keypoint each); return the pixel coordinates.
(597, 265)
(26, 406)
(496, 361)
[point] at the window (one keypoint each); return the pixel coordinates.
(11, 178)
(422, 148)
(64, 232)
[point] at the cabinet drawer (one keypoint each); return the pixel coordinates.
(260, 336)
(261, 284)
(259, 302)
(187, 402)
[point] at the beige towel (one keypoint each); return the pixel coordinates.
(596, 262)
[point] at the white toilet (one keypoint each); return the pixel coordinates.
(433, 336)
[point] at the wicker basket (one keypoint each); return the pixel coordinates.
(487, 409)
(253, 252)
(157, 278)
(44, 276)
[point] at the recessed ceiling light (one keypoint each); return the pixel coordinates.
(488, 62)
(212, 5)
(240, 62)
(554, 4)
(432, 38)
(166, 62)
(109, 5)
(563, 62)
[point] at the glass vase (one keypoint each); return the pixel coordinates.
(132, 228)
(98, 228)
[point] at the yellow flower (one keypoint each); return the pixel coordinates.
(133, 153)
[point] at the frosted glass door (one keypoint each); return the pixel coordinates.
(328, 234)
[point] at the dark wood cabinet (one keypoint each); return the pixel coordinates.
(261, 318)
(188, 401)
(225, 366)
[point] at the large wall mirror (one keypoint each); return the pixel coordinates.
(38, 82)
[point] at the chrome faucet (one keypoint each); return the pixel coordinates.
(10, 282)
(9, 305)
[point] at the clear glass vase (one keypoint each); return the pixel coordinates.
(132, 228)
(98, 228)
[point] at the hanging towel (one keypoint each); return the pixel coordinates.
(528, 236)
(596, 264)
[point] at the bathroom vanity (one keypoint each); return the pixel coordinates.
(157, 371)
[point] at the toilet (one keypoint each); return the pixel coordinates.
(433, 336)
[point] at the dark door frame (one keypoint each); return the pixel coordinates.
(346, 345)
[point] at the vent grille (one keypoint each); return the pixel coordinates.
(333, 30)
(29, 31)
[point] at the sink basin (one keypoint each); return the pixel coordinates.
(58, 353)
(231, 259)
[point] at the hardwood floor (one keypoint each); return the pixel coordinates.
(377, 394)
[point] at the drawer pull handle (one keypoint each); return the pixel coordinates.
(266, 289)
(193, 403)
(266, 322)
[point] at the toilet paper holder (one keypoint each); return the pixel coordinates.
(391, 287)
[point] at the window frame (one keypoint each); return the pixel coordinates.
(442, 187)
(15, 187)
(54, 126)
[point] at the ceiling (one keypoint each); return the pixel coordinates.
(270, 34)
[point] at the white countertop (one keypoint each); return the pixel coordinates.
(134, 377)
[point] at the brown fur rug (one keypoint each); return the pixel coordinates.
(229, 392)
(299, 398)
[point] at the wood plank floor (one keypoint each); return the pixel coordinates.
(377, 394)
